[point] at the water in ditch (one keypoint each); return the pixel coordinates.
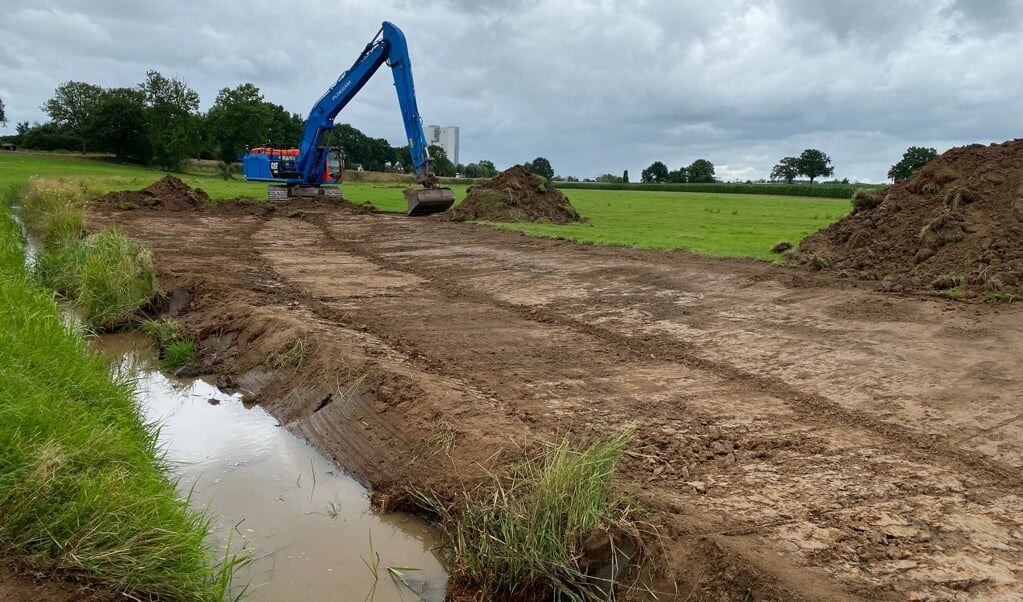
(308, 527)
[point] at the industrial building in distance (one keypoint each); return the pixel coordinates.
(444, 137)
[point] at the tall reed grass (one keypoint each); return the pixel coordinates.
(522, 534)
(83, 488)
(105, 276)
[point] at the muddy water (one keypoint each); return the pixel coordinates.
(306, 526)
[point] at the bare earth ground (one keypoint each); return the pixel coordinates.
(800, 437)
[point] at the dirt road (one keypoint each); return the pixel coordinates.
(800, 436)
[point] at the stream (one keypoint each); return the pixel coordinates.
(307, 527)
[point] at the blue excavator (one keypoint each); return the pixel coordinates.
(314, 169)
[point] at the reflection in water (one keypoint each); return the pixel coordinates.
(306, 526)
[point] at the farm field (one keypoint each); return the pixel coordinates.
(800, 436)
(729, 225)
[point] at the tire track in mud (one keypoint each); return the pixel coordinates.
(812, 409)
(783, 447)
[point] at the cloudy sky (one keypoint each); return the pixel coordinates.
(595, 86)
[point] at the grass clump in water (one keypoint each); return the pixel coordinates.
(83, 490)
(176, 349)
(524, 534)
(106, 276)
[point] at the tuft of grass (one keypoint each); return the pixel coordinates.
(524, 533)
(105, 276)
(83, 488)
(1001, 297)
(866, 199)
(128, 206)
(293, 356)
(178, 354)
(947, 282)
(176, 349)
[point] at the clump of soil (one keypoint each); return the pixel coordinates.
(168, 193)
(515, 195)
(956, 223)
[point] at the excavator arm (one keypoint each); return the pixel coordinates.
(389, 47)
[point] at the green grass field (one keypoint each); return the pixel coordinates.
(729, 225)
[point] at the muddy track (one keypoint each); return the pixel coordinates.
(800, 436)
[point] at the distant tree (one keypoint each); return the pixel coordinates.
(913, 159)
(118, 125)
(541, 167)
(700, 171)
(814, 163)
(489, 170)
(610, 179)
(679, 176)
(172, 119)
(48, 137)
(625, 176)
(3, 115)
(285, 128)
(656, 173)
(787, 169)
(71, 107)
(442, 166)
(239, 118)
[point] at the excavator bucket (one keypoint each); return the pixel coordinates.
(424, 201)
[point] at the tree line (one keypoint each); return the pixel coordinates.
(158, 122)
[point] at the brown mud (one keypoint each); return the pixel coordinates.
(168, 193)
(956, 223)
(800, 436)
(515, 195)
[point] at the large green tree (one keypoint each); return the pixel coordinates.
(71, 107)
(656, 173)
(285, 128)
(913, 159)
(238, 119)
(787, 169)
(442, 166)
(678, 176)
(814, 163)
(541, 167)
(118, 125)
(361, 150)
(172, 118)
(701, 171)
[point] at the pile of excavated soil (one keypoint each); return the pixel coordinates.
(515, 195)
(957, 222)
(168, 193)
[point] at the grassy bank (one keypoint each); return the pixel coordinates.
(104, 276)
(82, 489)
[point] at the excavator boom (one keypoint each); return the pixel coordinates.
(311, 167)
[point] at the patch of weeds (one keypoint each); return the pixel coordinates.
(954, 293)
(929, 188)
(821, 263)
(178, 354)
(293, 356)
(1000, 297)
(128, 206)
(524, 532)
(947, 282)
(176, 349)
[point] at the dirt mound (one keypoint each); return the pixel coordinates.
(168, 193)
(515, 195)
(957, 223)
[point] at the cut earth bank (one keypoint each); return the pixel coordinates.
(800, 436)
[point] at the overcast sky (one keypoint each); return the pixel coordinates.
(596, 87)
